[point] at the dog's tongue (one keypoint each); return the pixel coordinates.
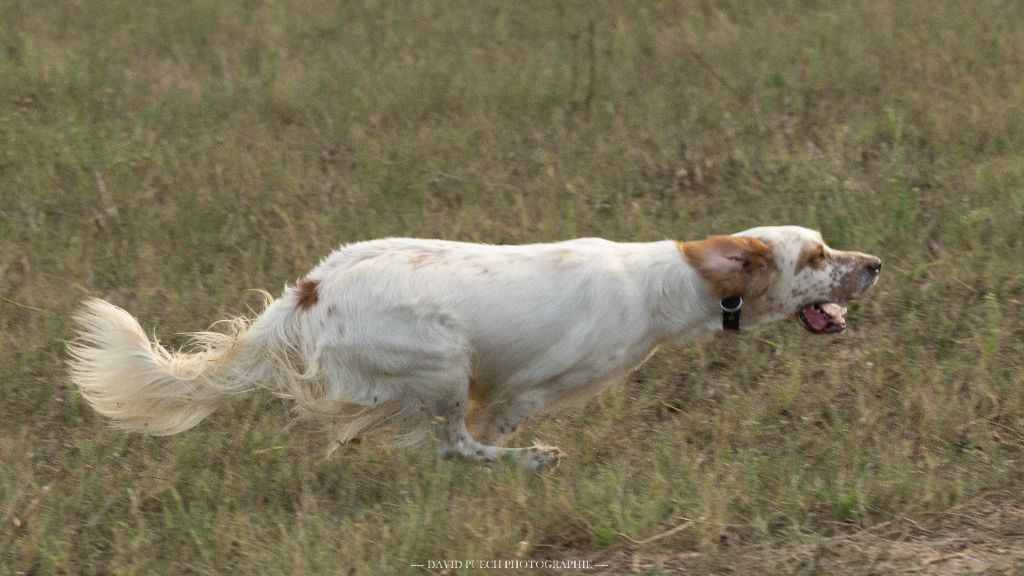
(824, 316)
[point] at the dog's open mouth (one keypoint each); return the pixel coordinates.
(823, 318)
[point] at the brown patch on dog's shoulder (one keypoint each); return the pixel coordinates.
(811, 256)
(561, 255)
(363, 258)
(306, 293)
(733, 265)
(425, 257)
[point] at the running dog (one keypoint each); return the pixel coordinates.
(465, 342)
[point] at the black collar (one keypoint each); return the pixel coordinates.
(731, 312)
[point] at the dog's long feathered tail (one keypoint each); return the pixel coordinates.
(143, 387)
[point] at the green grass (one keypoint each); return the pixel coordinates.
(169, 156)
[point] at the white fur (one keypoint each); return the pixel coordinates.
(410, 337)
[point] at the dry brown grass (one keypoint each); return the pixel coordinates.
(982, 536)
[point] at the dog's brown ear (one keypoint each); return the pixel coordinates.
(732, 265)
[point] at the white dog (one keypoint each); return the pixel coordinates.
(466, 341)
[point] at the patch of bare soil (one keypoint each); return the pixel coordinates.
(984, 536)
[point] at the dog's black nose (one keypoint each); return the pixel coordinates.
(875, 266)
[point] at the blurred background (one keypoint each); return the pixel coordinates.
(171, 156)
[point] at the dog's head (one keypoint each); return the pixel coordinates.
(782, 272)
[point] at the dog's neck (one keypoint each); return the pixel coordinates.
(682, 302)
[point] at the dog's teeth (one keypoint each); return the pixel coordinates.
(832, 309)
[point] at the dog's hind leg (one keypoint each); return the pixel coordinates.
(422, 360)
(456, 441)
(498, 420)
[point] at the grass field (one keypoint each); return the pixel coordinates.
(170, 156)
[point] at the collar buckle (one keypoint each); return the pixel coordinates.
(731, 308)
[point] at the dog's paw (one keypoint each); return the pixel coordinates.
(541, 456)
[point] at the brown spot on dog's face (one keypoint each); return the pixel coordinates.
(812, 255)
(732, 265)
(306, 293)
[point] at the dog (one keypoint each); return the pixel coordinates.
(406, 338)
